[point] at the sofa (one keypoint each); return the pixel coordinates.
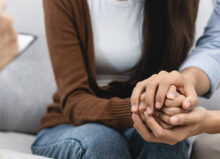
(27, 83)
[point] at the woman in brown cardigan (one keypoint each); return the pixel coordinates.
(99, 50)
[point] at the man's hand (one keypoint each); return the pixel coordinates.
(8, 38)
(188, 124)
(172, 107)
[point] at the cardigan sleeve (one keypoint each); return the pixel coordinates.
(78, 101)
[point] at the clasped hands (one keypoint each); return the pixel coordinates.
(162, 108)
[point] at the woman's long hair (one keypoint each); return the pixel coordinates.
(168, 35)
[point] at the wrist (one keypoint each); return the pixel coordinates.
(208, 122)
(190, 77)
(199, 79)
(212, 120)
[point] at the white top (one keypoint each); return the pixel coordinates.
(117, 31)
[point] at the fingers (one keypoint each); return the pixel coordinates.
(171, 94)
(163, 87)
(172, 111)
(142, 107)
(196, 115)
(163, 124)
(157, 87)
(162, 135)
(161, 94)
(151, 88)
(182, 119)
(167, 80)
(2, 5)
(136, 95)
(157, 130)
(176, 102)
(141, 128)
(165, 118)
(191, 97)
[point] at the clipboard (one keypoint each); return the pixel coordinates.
(24, 42)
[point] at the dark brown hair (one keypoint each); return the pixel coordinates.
(168, 35)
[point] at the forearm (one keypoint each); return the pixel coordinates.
(198, 78)
(82, 108)
(212, 125)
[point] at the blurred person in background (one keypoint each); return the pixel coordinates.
(8, 37)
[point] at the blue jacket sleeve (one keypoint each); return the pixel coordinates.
(206, 54)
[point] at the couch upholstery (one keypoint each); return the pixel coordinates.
(27, 84)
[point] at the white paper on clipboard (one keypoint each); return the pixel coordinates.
(24, 41)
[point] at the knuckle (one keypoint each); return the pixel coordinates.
(150, 83)
(168, 103)
(186, 120)
(142, 108)
(169, 112)
(142, 96)
(175, 72)
(163, 72)
(163, 81)
(159, 133)
(139, 84)
(155, 76)
(165, 110)
(134, 98)
(167, 120)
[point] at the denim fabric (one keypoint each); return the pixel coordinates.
(96, 141)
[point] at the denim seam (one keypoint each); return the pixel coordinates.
(64, 140)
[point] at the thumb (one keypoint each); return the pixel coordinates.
(191, 97)
(182, 119)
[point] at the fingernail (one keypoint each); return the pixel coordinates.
(171, 95)
(133, 108)
(188, 104)
(146, 114)
(174, 120)
(157, 105)
(148, 110)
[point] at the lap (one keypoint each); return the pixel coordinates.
(86, 141)
(142, 149)
(99, 141)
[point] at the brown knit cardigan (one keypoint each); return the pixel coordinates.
(79, 100)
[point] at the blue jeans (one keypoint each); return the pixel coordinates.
(97, 141)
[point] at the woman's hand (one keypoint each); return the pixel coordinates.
(188, 124)
(8, 37)
(156, 88)
(172, 107)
